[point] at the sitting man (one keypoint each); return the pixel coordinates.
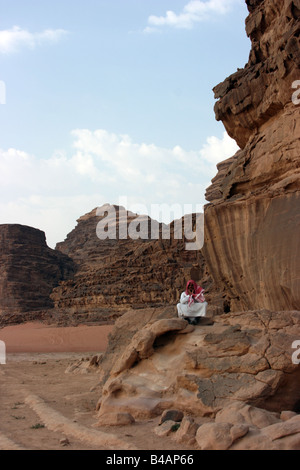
(192, 304)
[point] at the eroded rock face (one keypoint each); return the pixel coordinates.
(232, 385)
(252, 224)
(156, 362)
(29, 270)
(252, 96)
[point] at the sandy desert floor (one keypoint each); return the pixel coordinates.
(43, 407)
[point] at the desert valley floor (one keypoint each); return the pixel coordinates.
(48, 399)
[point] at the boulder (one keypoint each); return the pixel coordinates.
(219, 436)
(242, 413)
(187, 431)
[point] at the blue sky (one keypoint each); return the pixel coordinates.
(111, 98)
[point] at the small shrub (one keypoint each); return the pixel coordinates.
(37, 426)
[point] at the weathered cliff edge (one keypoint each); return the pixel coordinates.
(252, 224)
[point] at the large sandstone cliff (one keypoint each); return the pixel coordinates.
(252, 224)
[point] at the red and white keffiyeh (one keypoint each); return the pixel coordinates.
(198, 293)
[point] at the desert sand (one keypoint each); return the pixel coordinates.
(37, 337)
(47, 403)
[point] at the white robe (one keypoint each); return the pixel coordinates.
(196, 309)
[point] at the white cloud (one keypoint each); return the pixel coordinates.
(193, 12)
(215, 149)
(128, 164)
(12, 40)
(50, 194)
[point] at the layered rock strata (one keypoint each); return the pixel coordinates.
(29, 270)
(252, 224)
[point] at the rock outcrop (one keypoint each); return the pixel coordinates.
(156, 361)
(252, 224)
(238, 372)
(29, 270)
(115, 274)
